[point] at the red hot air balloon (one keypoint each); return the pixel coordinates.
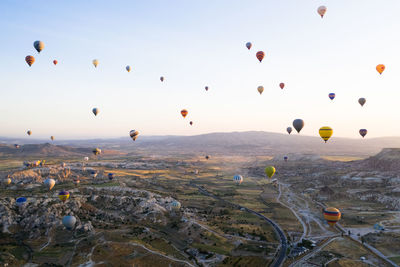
(184, 113)
(55, 62)
(282, 85)
(260, 55)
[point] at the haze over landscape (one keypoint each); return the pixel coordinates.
(211, 133)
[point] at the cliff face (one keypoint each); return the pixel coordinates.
(386, 160)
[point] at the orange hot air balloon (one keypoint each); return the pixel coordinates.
(282, 85)
(184, 113)
(55, 62)
(260, 55)
(380, 68)
(30, 60)
(332, 215)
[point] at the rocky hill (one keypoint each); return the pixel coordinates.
(386, 160)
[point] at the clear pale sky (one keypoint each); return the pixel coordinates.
(194, 44)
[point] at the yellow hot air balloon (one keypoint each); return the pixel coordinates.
(380, 68)
(325, 133)
(95, 62)
(270, 171)
(332, 215)
(260, 89)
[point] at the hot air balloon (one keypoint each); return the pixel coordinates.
(96, 151)
(30, 60)
(207, 157)
(322, 10)
(52, 138)
(362, 101)
(95, 63)
(184, 113)
(128, 68)
(363, 132)
(289, 130)
(16, 145)
(206, 88)
(38, 45)
(282, 85)
(270, 171)
(110, 176)
(260, 89)
(325, 133)
(76, 181)
(133, 134)
(285, 158)
(238, 179)
(86, 158)
(380, 68)
(49, 183)
(7, 181)
(332, 96)
(29, 132)
(55, 62)
(260, 55)
(63, 195)
(69, 222)
(175, 205)
(298, 124)
(95, 111)
(20, 201)
(248, 45)
(191, 122)
(332, 215)
(161, 78)
(63, 165)
(93, 174)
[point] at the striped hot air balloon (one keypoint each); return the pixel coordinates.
(260, 55)
(332, 215)
(30, 60)
(332, 96)
(325, 133)
(238, 179)
(184, 113)
(63, 195)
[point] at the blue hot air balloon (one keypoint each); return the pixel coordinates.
(21, 201)
(332, 96)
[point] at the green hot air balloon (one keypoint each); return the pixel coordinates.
(270, 171)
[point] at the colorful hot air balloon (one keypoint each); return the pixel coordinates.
(191, 122)
(260, 89)
(49, 183)
(63, 165)
(95, 111)
(289, 130)
(86, 158)
(332, 216)
(55, 62)
(363, 132)
(238, 179)
(69, 222)
(285, 158)
(52, 138)
(128, 68)
(38, 45)
(248, 45)
(20, 201)
(184, 113)
(362, 101)
(380, 68)
(63, 195)
(206, 88)
(332, 96)
(260, 55)
(325, 133)
(270, 171)
(95, 63)
(16, 145)
(110, 176)
(96, 151)
(76, 181)
(298, 124)
(30, 60)
(7, 181)
(175, 205)
(29, 132)
(322, 10)
(161, 78)
(282, 85)
(133, 134)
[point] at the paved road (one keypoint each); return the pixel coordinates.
(281, 255)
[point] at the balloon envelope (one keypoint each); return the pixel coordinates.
(175, 205)
(20, 201)
(30, 60)
(363, 132)
(238, 179)
(260, 89)
(38, 45)
(260, 55)
(380, 68)
(110, 176)
(55, 62)
(184, 113)
(49, 183)
(289, 130)
(96, 151)
(362, 101)
(332, 215)
(95, 111)
(162, 78)
(95, 63)
(332, 96)
(128, 68)
(29, 132)
(298, 124)
(69, 222)
(270, 171)
(282, 85)
(248, 45)
(63, 195)
(325, 133)
(133, 134)
(7, 181)
(321, 11)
